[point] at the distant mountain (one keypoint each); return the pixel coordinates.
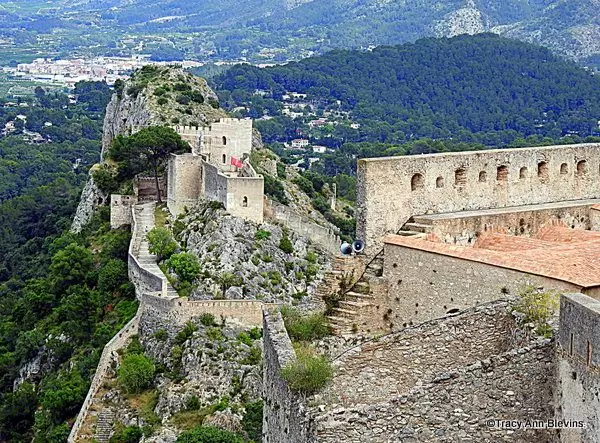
(482, 88)
(290, 29)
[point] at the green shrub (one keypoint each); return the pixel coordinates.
(281, 173)
(536, 307)
(129, 434)
(186, 333)
(307, 327)
(311, 257)
(215, 334)
(207, 319)
(254, 356)
(185, 265)
(275, 189)
(262, 234)
(209, 434)
(192, 403)
(255, 333)
(105, 178)
(161, 243)
(245, 338)
(285, 245)
(135, 373)
(308, 373)
(252, 421)
(161, 334)
(162, 101)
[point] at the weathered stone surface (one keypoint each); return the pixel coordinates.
(261, 269)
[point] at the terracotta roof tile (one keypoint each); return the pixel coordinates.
(561, 253)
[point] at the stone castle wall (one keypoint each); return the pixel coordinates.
(229, 137)
(106, 360)
(144, 188)
(120, 210)
(285, 414)
(184, 182)
(241, 196)
(423, 285)
(390, 190)
(464, 229)
(441, 381)
(321, 236)
(578, 374)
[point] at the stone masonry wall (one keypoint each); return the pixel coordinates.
(226, 138)
(106, 360)
(456, 404)
(322, 236)
(214, 185)
(285, 415)
(464, 229)
(184, 182)
(578, 373)
(423, 285)
(391, 190)
(120, 210)
(393, 364)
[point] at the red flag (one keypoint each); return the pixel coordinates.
(237, 163)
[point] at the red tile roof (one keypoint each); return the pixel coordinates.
(560, 253)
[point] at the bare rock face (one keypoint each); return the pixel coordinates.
(91, 198)
(242, 260)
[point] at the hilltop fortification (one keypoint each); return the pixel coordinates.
(166, 96)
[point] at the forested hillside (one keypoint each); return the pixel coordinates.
(482, 88)
(62, 296)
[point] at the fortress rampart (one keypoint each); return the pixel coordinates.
(320, 235)
(392, 189)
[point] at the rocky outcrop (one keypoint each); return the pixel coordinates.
(91, 198)
(243, 260)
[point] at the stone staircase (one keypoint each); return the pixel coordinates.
(416, 226)
(104, 426)
(345, 318)
(145, 220)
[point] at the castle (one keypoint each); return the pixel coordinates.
(218, 168)
(443, 358)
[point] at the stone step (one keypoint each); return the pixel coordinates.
(408, 233)
(342, 312)
(417, 227)
(353, 305)
(357, 297)
(361, 287)
(374, 270)
(338, 321)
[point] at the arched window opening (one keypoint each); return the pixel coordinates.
(502, 173)
(482, 177)
(543, 171)
(439, 182)
(224, 141)
(564, 169)
(416, 182)
(460, 177)
(224, 158)
(522, 173)
(581, 167)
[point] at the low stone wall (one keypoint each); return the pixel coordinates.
(464, 229)
(180, 310)
(285, 415)
(106, 360)
(321, 236)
